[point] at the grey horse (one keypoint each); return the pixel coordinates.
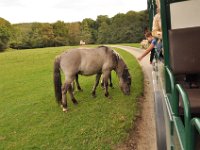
(78, 87)
(99, 61)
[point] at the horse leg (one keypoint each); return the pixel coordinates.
(77, 83)
(110, 84)
(105, 78)
(102, 83)
(65, 88)
(110, 77)
(96, 84)
(72, 95)
(73, 86)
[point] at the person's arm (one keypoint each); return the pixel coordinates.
(146, 51)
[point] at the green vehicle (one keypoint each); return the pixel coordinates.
(176, 79)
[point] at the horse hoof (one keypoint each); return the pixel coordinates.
(64, 109)
(94, 95)
(75, 102)
(111, 85)
(106, 94)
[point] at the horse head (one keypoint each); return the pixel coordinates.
(124, 77)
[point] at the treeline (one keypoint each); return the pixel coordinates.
(122, 28)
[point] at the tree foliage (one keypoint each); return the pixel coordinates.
(5, 33)
(122, 28)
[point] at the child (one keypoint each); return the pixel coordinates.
(151, 48)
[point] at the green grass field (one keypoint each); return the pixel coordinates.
(31, 119)
(137, 45)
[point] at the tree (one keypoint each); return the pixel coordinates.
(122, 28)
(118, 27)
(88, 31)
(20, 38)
(103, 33)
(102, 19)
(5, 33)
(74, 32)
(47, 35)
(60, 31)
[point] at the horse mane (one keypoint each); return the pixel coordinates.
(104, 47)
(116, 57)
(125, 73)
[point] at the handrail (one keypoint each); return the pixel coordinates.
(173, 101)
(195, 124)
(171, 78)
(175, 1)
(187, 115)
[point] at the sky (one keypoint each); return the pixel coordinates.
(24, 11)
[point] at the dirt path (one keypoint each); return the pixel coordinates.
(143, 137)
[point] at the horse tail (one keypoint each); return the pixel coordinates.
(57, 80)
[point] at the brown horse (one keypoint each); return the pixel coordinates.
(99, 61)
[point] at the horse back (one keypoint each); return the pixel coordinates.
(70, 62)
(87, 61)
